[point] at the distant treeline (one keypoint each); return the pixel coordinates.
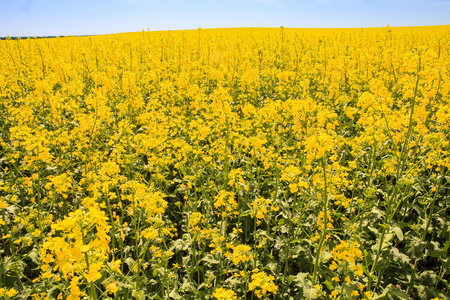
(27, 37)
(33, 37)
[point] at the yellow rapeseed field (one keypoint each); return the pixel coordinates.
(244, 163)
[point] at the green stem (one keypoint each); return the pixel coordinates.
(424, 233)
(325, 219)
(92, 293)
(389, 213)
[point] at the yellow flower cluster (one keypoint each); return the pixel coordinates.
(241, 253)
(82, 250)
(225, 294)
(8, 292)
(261, 207)
(195, 220)
(262, 284)
(226, 203)
(320, 220)
(347, 254)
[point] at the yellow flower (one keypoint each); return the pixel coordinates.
(176, 266)
(195, 219)
(75, 292)
(224, 294)
(262, 284)
(334, 294)
(260, 207)
(39, 296)
(320, 220)
(94, 272)
(115, 265)
(240, 254)
(112, 288)
(236, 180)
(11, 292)
(347, 253)
(358, 270)
(293, 188)
(226, 202)
(3, 204)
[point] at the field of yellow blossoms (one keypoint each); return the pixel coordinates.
(224, 164)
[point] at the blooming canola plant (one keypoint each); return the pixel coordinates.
(244, 163)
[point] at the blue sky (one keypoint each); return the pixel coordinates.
(84, 17)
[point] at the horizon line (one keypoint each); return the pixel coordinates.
(209, 28)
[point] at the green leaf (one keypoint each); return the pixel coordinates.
(395, 291)
(34, 256)
(174, 295)
(428, 278)
(310, 292)
(430, 293)
(392, 290)
(382, 296)
(130, 262)
(386, 243)
(446, 246)
(209, 258)
(180, 244)
(398, 256)
(278, 243)
(376, 213)
(398, 232)
(300, 278)
(53, 293)
(329, 284)
(415, 248)
(446, 264)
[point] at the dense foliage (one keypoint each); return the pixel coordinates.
(226, 164)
